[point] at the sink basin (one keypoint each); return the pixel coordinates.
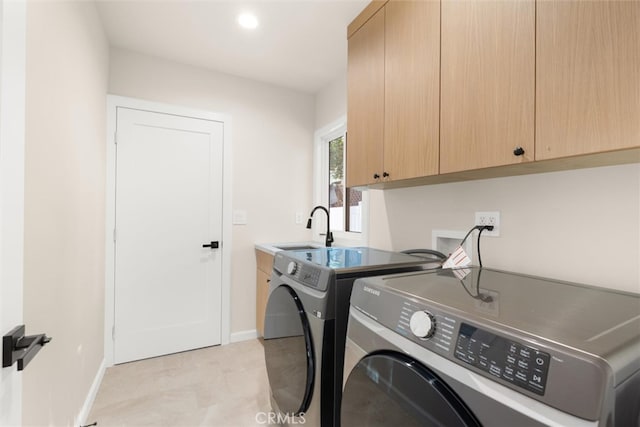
(297, 248)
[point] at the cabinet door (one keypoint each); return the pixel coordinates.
(262, 292)
(264, 263)
(588, 77)
(412, 89)
(488, 83)
(365, 102)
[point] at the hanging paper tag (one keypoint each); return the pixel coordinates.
(461, 273)
(457, 259)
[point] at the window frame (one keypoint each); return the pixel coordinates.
(322, 138)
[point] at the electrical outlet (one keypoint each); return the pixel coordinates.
(489, 218)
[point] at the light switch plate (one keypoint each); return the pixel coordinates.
(239, 217)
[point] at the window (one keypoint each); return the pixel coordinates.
(347, 206)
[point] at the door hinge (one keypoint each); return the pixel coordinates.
(115, 138)
(113, 333)
(114, 235)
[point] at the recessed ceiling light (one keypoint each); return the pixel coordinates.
(248, 20)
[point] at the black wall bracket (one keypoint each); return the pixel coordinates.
(16, 347)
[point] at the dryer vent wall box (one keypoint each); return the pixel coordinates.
(447, 241)
(578, 370)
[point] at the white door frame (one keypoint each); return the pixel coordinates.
(12, 146)
(113, 102)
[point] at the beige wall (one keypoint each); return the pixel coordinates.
(66, 85)
(581, 225)
(272, 134)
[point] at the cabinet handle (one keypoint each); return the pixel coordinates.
(385, 175)
(519, 151)
(376, 176)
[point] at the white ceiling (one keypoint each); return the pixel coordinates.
(299, 44)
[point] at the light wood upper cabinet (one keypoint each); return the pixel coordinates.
(487, 83)
(365, 109)
(412, 89)
(478, 84)
(588, 77)
(394, 93)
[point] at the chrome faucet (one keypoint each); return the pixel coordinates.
(329, 236)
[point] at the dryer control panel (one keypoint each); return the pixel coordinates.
(520, 365)
(497, 356)
(516, 363)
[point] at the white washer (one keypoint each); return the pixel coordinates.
(490, 348)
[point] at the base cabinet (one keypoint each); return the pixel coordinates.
(264, 263)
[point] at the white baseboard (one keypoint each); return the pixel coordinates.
(81, 419)
(243, 335)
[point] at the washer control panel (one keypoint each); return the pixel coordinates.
(306, 274)
(518, 364)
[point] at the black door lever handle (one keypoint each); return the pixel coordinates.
(212, 245)
(16, 347)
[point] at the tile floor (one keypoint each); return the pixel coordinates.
(215, 386)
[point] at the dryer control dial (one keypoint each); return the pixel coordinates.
(292, 268)
(422, 324)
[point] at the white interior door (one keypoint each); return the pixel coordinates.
(168, 204)
(12, 103)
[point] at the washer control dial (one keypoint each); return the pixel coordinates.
(292, 268)
(422, 324)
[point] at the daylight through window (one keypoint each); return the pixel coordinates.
(345, 204)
